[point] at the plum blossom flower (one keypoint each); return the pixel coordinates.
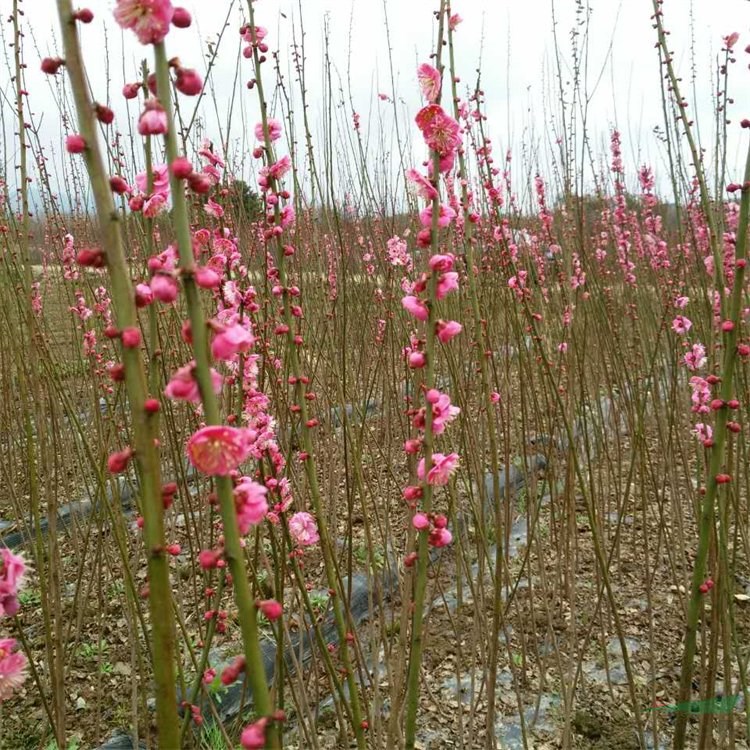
(703, 432)
(153, 119)
(420, 522)
(695, 359)
(448, 282)
(184, 387)
(161, 180)
(440, 537)
(274, 130)
(442, 468)
(445, 216)
(250, 504)
(149, 19)
(217, 450)
(416, 307)
(398, 254)
(430, 82)
(443, 411)
(731, 39)
(421, 185)
(213, 208)
(681, 325)
(230, 341)
(303, 529)
(12, 573)
(12, 668)
(154, 205)
(447, 330)
(254, 735)
(440, 131)
(701, 396)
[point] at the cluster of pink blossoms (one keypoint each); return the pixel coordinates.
(442, 134)
(13, 663)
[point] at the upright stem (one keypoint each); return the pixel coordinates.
(146, 454)
(423, 551)
(232, 543)
(326, 543)
(716, 463)
(481, 343)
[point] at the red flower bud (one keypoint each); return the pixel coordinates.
(84, 15)
(188, 82)
(75, 144)
(182, 168)
(117, 372)
(723, 479)
(151, 406)
(410, 559)
(118, 185)
(199, 183)
(118, 461)
(91, 257)
(104, 114)
(181, 18)
(270, 608)
(50, 65)
(131, 337)
(130, 90)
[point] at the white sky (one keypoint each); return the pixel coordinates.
(514, 38)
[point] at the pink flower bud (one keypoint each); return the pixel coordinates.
(412, 493)
(207, 278)
(130, 90)
(90, 257)
(447, 330)
(181, 18)
(75, 144)
(118, 461)
(143, 295)
(412, 446)
(199, 183)
(151, 406)
(50, 65)
(153, 119)
(182, 168)
(417, 360)
(440, 537)
(84, 15)
(188, 82)
(164, 288)
(136, 203)
(420, 522)
(118, 185)
(104, 114)
(254, 735)
(432, 396)
(270, 608)
(131, 337)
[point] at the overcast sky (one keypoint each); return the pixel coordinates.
(513, 37)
